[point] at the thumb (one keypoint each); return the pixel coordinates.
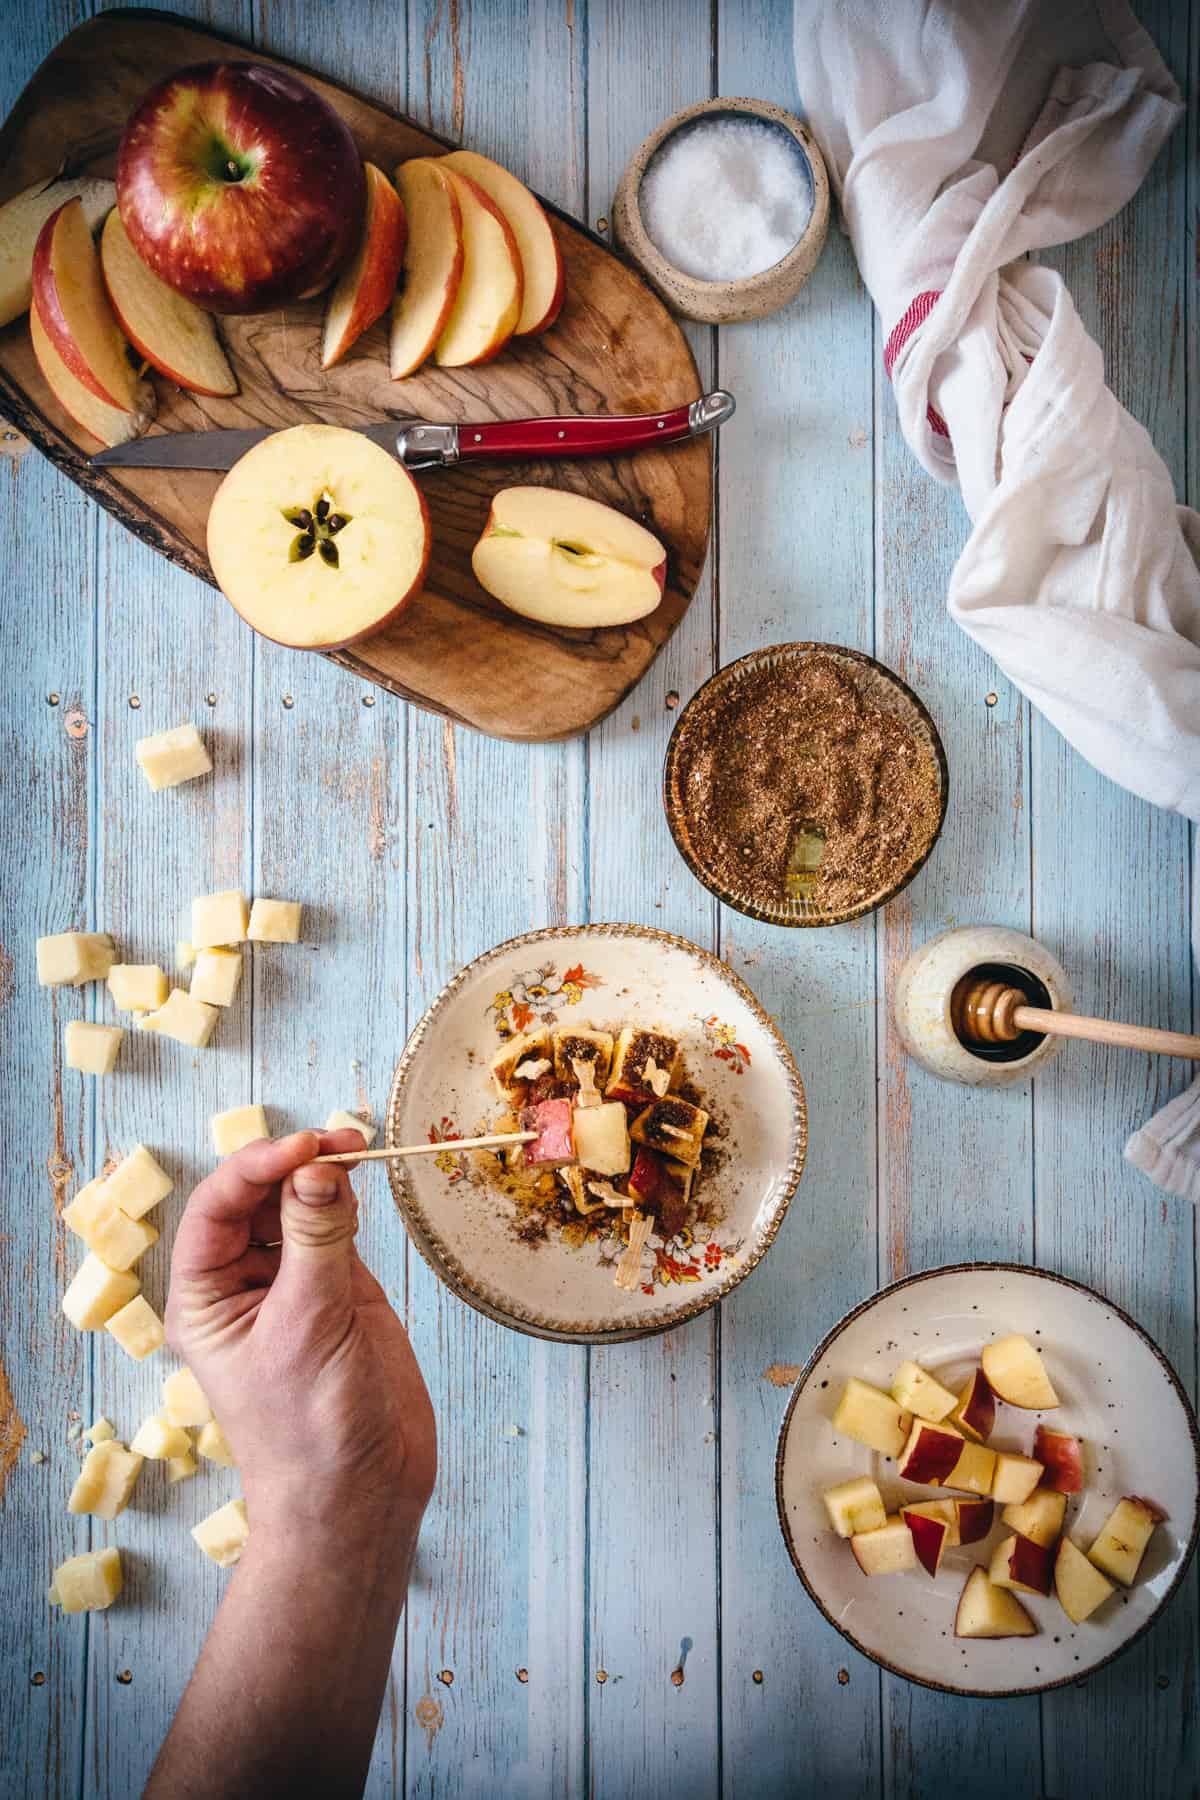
(318, 1214)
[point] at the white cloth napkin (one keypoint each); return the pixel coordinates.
(961, 135)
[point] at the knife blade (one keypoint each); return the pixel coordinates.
(421, 444)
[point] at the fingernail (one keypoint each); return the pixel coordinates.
(317, 1186)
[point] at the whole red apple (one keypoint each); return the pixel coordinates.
(240, 187)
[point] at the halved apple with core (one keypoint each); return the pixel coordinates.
(485, 312)
(1017, 1374)
(368, 282)
(111, 424)
(318, 537)
(1080, 1587)
(543, 279)
(567, 560)
(73, 308)
(431, 272)
(22, 218)
(986, 1611)
(169, 331)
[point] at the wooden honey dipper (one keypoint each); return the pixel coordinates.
(985, 1011)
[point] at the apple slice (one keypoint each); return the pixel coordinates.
(22, 218)
(918, 1393)
(1039, 1518)
(485, 313)
(1017, 1374)
(1080, 1586)
(431, 272)
(973, 1470)
(172, 333)
(1062, 1457)
(542, 275)
(69, 299)
(930, 1538)
(1119, 1548)
(855, 1506)
(930, 1453)
(565, 560)
(871, 1417)
(1017, 1562)
(1015, 1478)
(367, 284)
(974, 1519)
(887, 1551)
(945, 1511)
(986, 1611)
(318, 537)
(111, 424)
(975, 1414)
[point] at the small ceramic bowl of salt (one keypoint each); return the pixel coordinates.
(724, 209)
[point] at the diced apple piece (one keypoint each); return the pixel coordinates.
(1015, 1478)
(555, 1140)
(138, 1184)
(96, 1293)
(945, 1511)
(348, 1121)
(975, 1410)
(111, 424)
(216, 976)
(974, 1469)
(543, 277)
(930, 1453)
(213, 1445)
(222, 1536)
(156, 1439)
(173, 334)
(274, 922)
(1017, 1373)
(101, 1431)
(674, 1127)
(106, 1481)
(184, 1400)
(1017, 1562)
(433, 263)
(660, 1187)
(180, 1017)
(89, 1582)
(525, 1047)
(137, 987)
(986, 1611)
(974, 1519)
(1079, 1585)
(367, 283)
(219, 919)
(72, 307)
(167, 758)
(1039, 1518)
(869, 1416)
(240, 1125)
(21, 220)
(181, 1468)
(565, 559)
(487, 306)
(1122, 1540)
(138, 1329)
(886, 1551)
(918, 1393)
(119, 1240)
(93, 1049)
(602, 1138)
(74, 957)
(930, 1540)
(1062, 1457)
(855, 1506)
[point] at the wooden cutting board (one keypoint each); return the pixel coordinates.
(614, 348)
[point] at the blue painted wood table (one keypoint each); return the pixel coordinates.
(603, 1604)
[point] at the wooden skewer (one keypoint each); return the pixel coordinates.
(493, 1142)
(987, 1012)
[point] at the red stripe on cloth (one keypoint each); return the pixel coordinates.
(915, 316)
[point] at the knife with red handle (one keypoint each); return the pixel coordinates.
(420, 444)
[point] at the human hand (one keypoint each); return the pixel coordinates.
(309, 1371)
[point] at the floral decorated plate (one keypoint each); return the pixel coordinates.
(505, 1244)
(1116, 1391)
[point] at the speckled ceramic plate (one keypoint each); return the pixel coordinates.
(1117, 1391)
(602, 976)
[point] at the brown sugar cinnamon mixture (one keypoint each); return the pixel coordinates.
(796, 785)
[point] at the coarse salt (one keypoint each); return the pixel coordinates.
(726, 198)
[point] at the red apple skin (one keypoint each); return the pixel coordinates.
(49, 306)
(932, 1456)
(278, 232)
(387, 228)
(1061, 1457)
(1032, 1564)
(556, 300)
(929, 1537)
(978, 1414)
(489, 205)
(975, 1520)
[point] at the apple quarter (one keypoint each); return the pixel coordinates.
(564, 559)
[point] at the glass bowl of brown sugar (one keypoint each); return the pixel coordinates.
(805, 784)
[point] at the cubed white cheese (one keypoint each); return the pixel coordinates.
(602, 1138)
(184, 1400)
(93, 1049)
(139, 1331)
(90, 1207)
(137, 987)
(222, 1536)
(156, 1440)
(120, 1241)
(106, 1481)
(185, 953)
(101, 1431)
(275, 922)
(215, 977)
(212, 1443)
(87, 1583)
(219, 919)
(180, 1017)
(348, 1121)
(138, 1183)
(169, 757)
(97, 1292)
(75, 957)
(181, 1468)
(240, 1125)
